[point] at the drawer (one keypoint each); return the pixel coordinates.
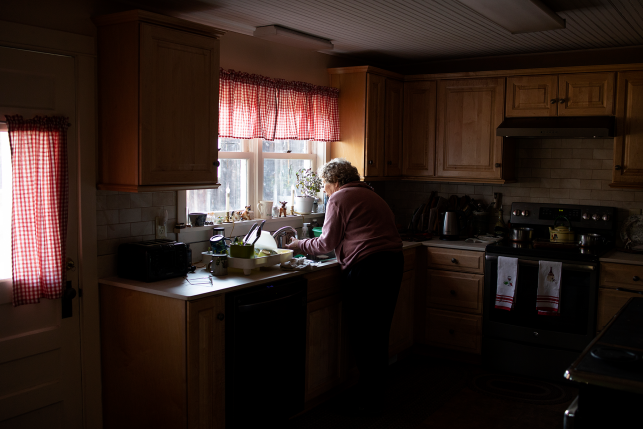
(455, 260)
(610, 301)
(622, 275)
(451, 290)
(454, 330)
(409, 259)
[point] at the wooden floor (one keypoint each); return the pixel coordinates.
(424, 392)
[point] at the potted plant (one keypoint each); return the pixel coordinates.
(308, 184)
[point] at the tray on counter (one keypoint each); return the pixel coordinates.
(248, 264)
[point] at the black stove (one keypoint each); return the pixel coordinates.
(541, 216)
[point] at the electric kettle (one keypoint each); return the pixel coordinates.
(449, 229)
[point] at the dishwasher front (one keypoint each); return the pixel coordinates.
(265, 353)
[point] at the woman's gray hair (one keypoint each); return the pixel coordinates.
(338, 171)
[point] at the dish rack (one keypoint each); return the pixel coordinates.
(248, 264)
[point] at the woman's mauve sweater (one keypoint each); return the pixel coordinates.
(358, 223)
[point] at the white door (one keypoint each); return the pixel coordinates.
(40, 361)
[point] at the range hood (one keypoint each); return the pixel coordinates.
(558, 127)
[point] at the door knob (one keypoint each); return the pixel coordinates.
(71, 265)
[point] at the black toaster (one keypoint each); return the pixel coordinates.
(153, 260)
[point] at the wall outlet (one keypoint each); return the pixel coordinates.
(160, 230)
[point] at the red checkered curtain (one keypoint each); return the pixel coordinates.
(247, 105)
(39, 211)
(253, 106)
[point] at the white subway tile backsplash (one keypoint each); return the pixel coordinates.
(118, 201)
(129, 215)
(143, 199)
(118, 230)
(142, 228)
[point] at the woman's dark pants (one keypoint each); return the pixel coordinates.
(370, 295)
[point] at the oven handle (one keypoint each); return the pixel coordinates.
(572, 267)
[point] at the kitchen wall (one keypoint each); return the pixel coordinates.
(567, 171)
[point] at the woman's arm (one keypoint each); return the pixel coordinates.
(332, 233)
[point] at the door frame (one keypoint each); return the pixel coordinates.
(83, 50)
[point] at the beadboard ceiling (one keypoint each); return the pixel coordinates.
(412, 31)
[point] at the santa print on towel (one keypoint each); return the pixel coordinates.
(548, 295)
(507, 281)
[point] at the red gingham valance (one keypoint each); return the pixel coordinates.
(254, 106)
(39, 207)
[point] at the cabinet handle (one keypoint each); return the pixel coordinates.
(561, 101)
(220, 316)
(454, 260)
(370, 162)
(217, 163)
(535, 334)
(451, 331)
(622, 289)
(636, 278)
(617, 167)
(452, 292)
(498, 165)
(553, 101)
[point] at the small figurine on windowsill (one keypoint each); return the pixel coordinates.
(246, 214)
(282, 210)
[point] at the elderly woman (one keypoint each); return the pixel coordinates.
(359, 226)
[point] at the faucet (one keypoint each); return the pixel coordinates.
(283, 235)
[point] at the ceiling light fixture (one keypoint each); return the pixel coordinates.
(279, 34)
(518, 16)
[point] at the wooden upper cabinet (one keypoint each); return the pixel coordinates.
(578, 94)
(370, 116)
(394, 125)
(469, 111)
(532, 96)
(419, 128)
(158, 102)
(628, 144)
(375, 125)
(586, 94)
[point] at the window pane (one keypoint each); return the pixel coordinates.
(279, 176)
(233, 173)
(283, 146)
(5, 206)
(230, 145)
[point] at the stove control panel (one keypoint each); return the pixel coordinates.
(594, 217)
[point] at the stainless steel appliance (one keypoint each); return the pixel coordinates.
(449, 229)
(520, 340)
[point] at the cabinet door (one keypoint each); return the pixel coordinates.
(401, 336)
(394, 115)
(451, 290)
(206, 360)
(586, 94)
(469, 111)
(179, 78)
(453, 330)
(610, 301)
(419, 129)
(324, 346)
(628, 144)
(532, 96)
(375, 125)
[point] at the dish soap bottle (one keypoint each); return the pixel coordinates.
(500, 229)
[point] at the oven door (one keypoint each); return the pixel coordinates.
(572, 329)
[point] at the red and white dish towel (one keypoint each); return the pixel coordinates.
(506, 285)
(548, 295)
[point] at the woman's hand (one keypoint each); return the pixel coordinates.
(293, 245)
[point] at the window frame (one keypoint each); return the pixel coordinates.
(252, 150)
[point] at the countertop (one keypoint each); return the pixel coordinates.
(456, 244)
(618, 257)
(197, 285)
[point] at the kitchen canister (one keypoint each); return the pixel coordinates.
(218, 266)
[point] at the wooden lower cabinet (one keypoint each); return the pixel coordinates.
(453, 299)
(618, 283)
(162, 360)
(452, 330)
(610, 301)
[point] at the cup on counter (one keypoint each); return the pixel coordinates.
(218, 266)
(265, 209)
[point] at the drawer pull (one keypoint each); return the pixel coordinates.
(621, 289)
(451, 331)
(454, 260)
(452, 292)
(636, 278)
(535, 334)
(220, 316)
